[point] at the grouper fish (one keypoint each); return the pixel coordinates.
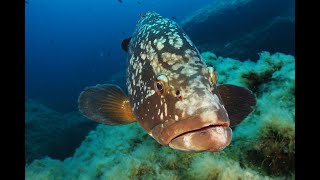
(172, 94)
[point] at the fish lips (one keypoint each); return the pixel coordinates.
(194, 134)
(210, 138)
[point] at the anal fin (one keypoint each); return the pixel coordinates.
(107, 104)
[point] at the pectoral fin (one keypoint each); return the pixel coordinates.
(238, 102)
(106, 103)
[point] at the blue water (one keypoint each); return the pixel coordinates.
(73, 44)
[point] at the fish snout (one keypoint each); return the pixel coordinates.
(210, 138)
(213, 137)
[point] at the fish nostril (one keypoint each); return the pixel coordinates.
(177, 92)
(178, 95)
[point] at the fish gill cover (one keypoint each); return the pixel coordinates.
(262, 147)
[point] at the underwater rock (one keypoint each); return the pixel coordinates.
(50, 133)
(128, 152)
(241, 29)
(267, 137)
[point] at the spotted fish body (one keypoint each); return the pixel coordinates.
(159, 48)
(172, 94)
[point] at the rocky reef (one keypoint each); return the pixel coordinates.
(240, 29)
(263, 145)
(50, 133)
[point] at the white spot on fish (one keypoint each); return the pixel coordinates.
(171, 42)
(171, 58)
(143, 56)
(178, 44)
(159, 46)
(165, 109)
(150, 93)
(188, 71)
(159, 43)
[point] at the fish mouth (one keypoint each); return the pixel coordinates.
(196, 133)
(214, 137)
(203, 129)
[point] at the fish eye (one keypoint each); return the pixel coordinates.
(158, 86)
(161, 84)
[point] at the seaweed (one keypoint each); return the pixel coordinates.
(254, 79)
(143, 170)
(262, 147)
(275, 151)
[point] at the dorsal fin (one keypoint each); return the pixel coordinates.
(125, 44)
(238, 102)
(107, 104)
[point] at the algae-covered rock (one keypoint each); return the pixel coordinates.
(50, 133)
(262, 146)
